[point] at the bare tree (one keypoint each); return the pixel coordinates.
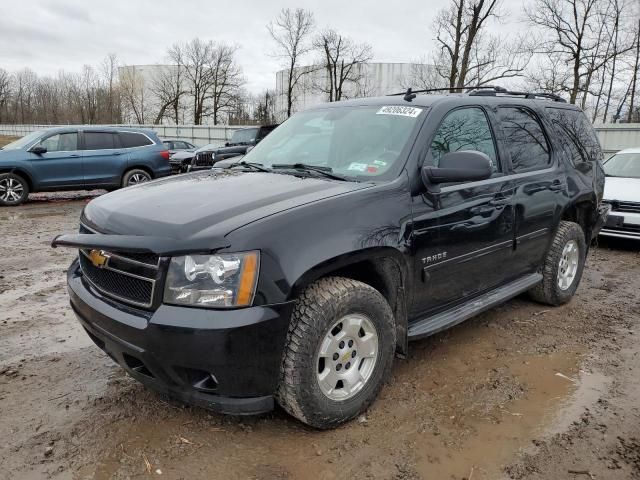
(132, 87)
(226, 79)
(423, 76)
(90, 87)
(467, 54)
(109, 69)
(635, 72)
(569, 30)
(25, 83)
(5, 92)
(169, 88)
(264, 110)
(195, 56)
(291, 31)
(342, 60)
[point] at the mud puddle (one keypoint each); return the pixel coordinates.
(465, 416)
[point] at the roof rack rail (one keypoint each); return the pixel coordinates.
(410, 92)
(492, 91)
(481, 91)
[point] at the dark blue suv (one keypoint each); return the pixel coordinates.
(79, 158)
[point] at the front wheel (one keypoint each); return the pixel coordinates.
(14, 190)
(339, 351)
(563, 266)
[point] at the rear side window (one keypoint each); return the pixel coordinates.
(99, 140)
(524, 139)
(578, 133)
(61, 142)
(462, 130)
(131, 140)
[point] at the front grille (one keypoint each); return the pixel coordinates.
(204, 159)
(127, 277)
(628, 207)
(117, 284)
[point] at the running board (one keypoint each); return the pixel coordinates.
(460, 313)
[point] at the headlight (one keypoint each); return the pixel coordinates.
(223, 280)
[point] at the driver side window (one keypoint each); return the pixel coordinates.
(464, 129)
(61, 142)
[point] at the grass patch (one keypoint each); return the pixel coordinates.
(6, 139)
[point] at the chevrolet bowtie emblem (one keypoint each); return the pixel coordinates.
(99, 258)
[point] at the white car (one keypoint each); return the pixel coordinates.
(622, 192)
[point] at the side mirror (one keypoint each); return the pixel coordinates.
(38, 150)
(226, 144)
(469, 166)
(249, 148)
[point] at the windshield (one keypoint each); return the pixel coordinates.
(623, 165)
(352, 141)
(246, 135)
(23, 142)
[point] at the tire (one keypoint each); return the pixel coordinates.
(14, 190)
(134, 177)
(560, 276)
(326, 318)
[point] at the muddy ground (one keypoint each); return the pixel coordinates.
(521, 392)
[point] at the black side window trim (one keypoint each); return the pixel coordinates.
(553, 162)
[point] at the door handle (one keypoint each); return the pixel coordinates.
(74, 156)
(556, 186)
(117, 153)
(499, 202)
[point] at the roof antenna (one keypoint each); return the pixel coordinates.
(409, 95)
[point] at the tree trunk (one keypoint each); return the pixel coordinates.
(636, 71)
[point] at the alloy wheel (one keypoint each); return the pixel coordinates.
(11, 190)
(347, 357)
(568, 268)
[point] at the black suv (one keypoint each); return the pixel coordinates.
(242, 140)
(298, 273)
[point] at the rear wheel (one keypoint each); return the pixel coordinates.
(14, 189)
(563, 266)
(339, 350)
(134, 177)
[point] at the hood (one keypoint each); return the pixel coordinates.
(207, 204)
(182, 155)
(623, 189)
(233, 148)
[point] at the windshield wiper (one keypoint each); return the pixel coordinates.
(255, 166)
(326, 171)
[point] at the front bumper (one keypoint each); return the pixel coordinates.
(177, 166)
(602, 215)
(224, 360)
(622, 225)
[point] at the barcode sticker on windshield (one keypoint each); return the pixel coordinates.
(399, 110)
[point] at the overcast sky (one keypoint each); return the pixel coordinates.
(49, 35)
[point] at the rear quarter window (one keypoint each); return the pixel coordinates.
(131, 140)
(524, 139)
(577, 131)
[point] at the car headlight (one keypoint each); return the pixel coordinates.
(216, 281)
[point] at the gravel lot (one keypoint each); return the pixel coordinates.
(522, 392)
